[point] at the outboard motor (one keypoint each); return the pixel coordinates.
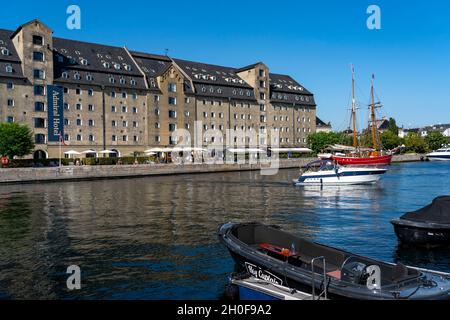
(354, 272)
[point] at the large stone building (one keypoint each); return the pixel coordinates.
(126, 101)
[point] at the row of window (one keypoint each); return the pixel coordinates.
(41, 138)
(275, 118)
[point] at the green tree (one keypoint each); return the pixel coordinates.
(318, 141)
(415, 143)
(390, 140)
(435, 140)
(392, 127)
(15, 140)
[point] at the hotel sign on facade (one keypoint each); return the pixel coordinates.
(55, 113)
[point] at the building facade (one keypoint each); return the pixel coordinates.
(128, 102)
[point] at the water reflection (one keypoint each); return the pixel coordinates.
(155, 238)
(437, 257)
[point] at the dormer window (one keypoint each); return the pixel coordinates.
(117, 66)
(219, 91)
(72, 61)
(120, 58)
(77, 76)
(89, 77)
(112, 80)
(65, 75)
(84, 62)
(127, 67)
(5, 52)
(203, 89)
(9, 68)
(60, 58)
(133, 82)
(106, 65)
(122, 80)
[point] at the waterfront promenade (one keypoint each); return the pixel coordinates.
(33, 175)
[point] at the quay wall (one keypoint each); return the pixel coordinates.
(33, 175)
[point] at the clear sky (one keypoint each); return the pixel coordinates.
(314, 41)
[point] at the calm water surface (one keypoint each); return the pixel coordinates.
(155, 238)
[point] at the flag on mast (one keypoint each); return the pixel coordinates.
(62, 141)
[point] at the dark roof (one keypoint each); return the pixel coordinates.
(320, 123)
(285, 83)
(211, 74)
(284, 89)
(225, 92)
(248, 67)
(381, 124)
(152, 66)
(12, 58)
(35, 21)
(102, 62)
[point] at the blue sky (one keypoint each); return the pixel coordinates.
(314, 41)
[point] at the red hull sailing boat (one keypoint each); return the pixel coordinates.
(374, 157)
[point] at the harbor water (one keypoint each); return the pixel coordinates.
(155, 237)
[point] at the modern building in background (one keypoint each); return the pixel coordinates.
(425, 131)
(126, 101)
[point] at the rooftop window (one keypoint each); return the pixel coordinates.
(5, 52)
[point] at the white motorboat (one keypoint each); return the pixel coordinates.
(442, 154)
(325, 172)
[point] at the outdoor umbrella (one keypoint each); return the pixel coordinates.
(72, 153)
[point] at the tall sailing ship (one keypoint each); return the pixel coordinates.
(361, 156)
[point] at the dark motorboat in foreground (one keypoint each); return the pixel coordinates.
(429, 225)
(275, 256)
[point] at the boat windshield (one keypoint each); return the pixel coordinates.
(321, 165)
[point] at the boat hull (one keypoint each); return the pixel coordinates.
(342, 177)
(438, 158)
(409, 232)
(348, 161)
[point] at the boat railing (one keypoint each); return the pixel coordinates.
(324, 293)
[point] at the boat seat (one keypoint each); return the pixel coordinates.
(337, 274)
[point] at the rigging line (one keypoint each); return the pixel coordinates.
(361, 92)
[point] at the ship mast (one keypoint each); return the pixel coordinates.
(373, 116)
(355, 140)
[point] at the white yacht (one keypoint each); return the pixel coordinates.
(442, 154)
(326, 172)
